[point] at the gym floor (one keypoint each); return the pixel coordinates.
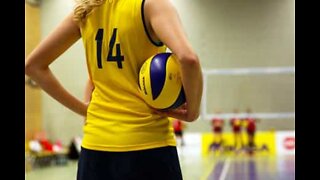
(196, 167)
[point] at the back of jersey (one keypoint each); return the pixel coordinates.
(117, 44)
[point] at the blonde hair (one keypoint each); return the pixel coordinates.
(84, 7)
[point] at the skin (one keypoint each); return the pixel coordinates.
(88, 91)
(37, 63)
(161, 17)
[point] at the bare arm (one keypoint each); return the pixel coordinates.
(164, 24)
(37, 63)
(88, 91)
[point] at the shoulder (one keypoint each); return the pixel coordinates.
(151, 3)
(156, 6)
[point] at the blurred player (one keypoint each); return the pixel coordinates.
(236, 124)
(217, 124)
(178, 127)
(250, 125)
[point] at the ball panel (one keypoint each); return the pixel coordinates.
(180, 100)
(160, 82)
(158, 73)
(171, 87)
(144, 80)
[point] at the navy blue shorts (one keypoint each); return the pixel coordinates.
(152, 164)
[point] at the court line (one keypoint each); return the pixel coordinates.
(225, 169)
(209, 169)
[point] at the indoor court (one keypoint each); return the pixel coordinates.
(246, 49)
(213, 166)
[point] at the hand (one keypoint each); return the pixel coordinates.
(85, 116)
(180, 113)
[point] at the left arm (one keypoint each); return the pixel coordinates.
(88, 91)
(37, 63)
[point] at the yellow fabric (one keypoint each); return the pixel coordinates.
(237, 122)
(118, 119)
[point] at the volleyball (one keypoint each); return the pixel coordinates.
(160, 82)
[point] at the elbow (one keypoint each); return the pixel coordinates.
(28, 69)
(189, 59)
(31, 69)
(193, 117)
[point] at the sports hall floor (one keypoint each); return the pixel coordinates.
(195, 167)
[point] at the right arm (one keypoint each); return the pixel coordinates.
(164, 24)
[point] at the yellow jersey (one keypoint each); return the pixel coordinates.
(116, 45)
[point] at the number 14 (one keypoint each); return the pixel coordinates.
(117, 58)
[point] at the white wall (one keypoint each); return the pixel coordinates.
(244, 34)
(70, 69)
(240, 33)
(225, 34)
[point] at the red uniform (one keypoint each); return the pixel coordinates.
(177, 126)
(217, 124)
(236, 125)
(251, 125)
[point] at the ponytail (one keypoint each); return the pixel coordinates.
(84, 7)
